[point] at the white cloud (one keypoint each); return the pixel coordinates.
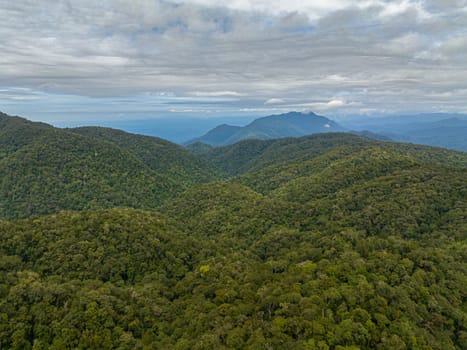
(336, 78)
(397, 8)
(409, 43)
(334, 104)
(384, 54)
(217, 94)
(312, 8)
(273, 101)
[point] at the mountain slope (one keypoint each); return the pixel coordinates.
(160, 155)
(45, 170)
(218, 136)
(250, 155)
(60, 171)
(16, 132)
(291, 124)
(198, 148)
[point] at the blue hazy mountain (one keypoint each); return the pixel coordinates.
(447, 133)
(219, 134)
(434, 129)
(293, 124)
(172, 128)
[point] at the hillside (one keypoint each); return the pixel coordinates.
(219, 135)
(160, 155)
(45, 170)
(291, 124)
(16, 132)
(328, 241)
(367, 264)
(250, 155)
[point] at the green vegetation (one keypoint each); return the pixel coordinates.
(324, 242)
(255, 155)
(198, 148)
(44, 170)
(160, 155)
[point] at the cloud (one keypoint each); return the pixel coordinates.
(330, 105)
(388, 55)
(397, 8)
(217, 94)
(273, 101)
(312, 8)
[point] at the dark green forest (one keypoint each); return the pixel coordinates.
(44, 170)
(110, 240)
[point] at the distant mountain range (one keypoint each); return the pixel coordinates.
(434, 129)
(177, 129)
(446, 130)
(447, 133)
(293, 124)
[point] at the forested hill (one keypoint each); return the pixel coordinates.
(45, 169)
(160, 155)
(329, 242)
(250, 155)
(16, 132)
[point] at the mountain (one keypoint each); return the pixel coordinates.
(344, 243)
(162, 156)
(327, 241)
(16, 132)
(251, 155)
(436, 129)
(219, 135)
(361, 122)
(291, 124)
(45, 169)
(448, 133)
(175, 127)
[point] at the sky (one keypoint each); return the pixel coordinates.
(72, 60)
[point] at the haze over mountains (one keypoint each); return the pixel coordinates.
(177, 129)
(443, 130)
(436, 129)
(291, 124)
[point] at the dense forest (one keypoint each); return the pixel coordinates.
(44, 170)
(332, 241)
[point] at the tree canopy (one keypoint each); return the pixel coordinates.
(325, 242)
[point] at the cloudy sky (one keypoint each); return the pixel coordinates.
(82, 59)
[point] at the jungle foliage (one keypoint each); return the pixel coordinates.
(323, 242)
(44, 170)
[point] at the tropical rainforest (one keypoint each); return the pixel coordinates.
(110, 240)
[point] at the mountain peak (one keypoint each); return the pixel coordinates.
(291, 124)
